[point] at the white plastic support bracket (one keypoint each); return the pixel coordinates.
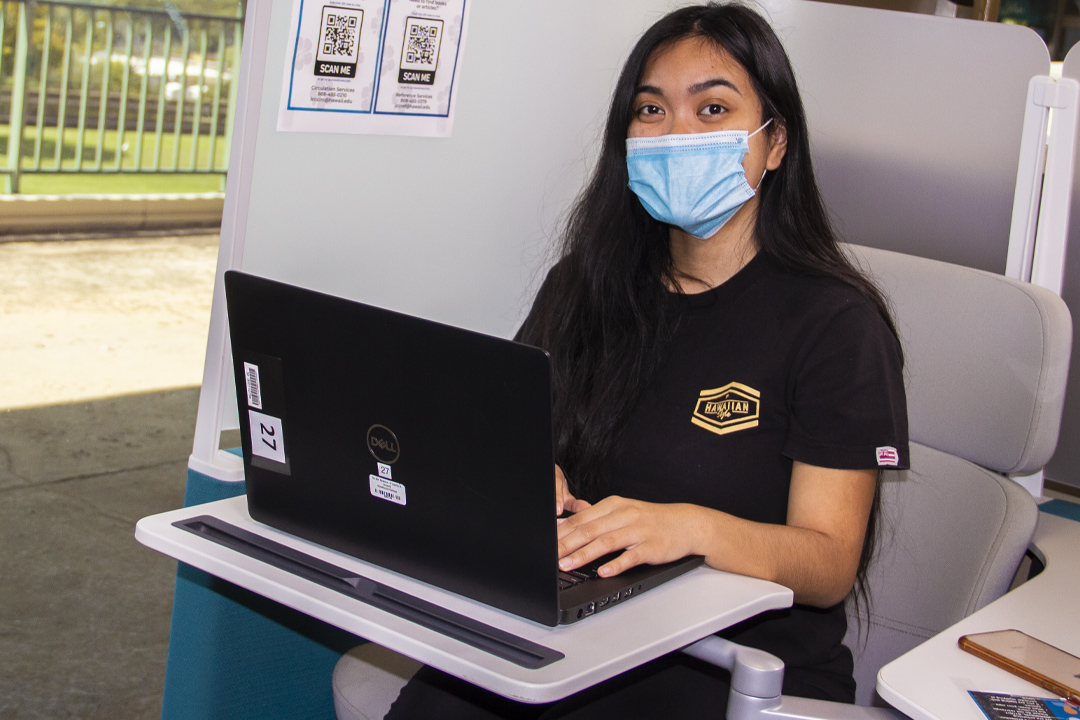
(1052, 234)
(1029, 176)
(1039, 231)
(222, 466)
(205, 457)
(1032, 483)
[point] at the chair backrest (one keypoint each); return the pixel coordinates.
(986, 361)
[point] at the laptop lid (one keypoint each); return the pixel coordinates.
(420, 447)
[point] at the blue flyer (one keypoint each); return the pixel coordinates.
(997, 706)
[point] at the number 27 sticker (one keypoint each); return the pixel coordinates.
(267, 439)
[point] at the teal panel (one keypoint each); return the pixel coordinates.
(1062, 508)
(234, 654)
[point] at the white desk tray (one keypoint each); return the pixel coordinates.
(660, 621)
(932, 681)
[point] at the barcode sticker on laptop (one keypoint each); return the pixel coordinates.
(254, 391)
(267, 438)
(387, 489)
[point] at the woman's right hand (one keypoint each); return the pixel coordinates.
(564, 501)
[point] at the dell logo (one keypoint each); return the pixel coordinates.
(383, 444)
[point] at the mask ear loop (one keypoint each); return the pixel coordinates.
(767, 122)
(763, 174)
(762, 178)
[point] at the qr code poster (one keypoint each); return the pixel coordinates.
(420, 57)
(373, 66)
(334, 55)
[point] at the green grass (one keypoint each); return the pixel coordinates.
(90, 182)
(117, 184)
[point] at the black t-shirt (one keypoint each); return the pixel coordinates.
(768, 368)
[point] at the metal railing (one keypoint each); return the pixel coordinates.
(96, 89)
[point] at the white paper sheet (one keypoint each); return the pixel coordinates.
(384, 67)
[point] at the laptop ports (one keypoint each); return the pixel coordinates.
(590, 608)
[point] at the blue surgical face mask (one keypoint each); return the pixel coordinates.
(695, 182)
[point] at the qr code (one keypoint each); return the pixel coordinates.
(420, 51)
(339, 41)
(339, 35)
(423, 46)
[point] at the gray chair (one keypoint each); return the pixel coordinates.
(367, 681)
(986, 360)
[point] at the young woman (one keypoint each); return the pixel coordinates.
(726, 383)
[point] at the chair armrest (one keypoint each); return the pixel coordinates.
(757, 678)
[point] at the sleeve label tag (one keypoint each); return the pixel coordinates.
(887, 457)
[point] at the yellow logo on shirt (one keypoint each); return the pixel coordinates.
(727, 409)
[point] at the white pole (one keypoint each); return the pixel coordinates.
(1040, 227)
(1029, 176)
(1048, 266)
(206, 458)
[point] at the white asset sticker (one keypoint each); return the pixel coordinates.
(254, 390)
(387, 489)
(267, 439)
(384, 471)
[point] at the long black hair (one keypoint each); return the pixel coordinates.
(604, 313)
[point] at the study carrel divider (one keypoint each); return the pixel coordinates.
(916, 127)
(915, 122)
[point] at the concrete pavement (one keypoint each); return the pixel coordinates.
(100, 318)
(101, 350)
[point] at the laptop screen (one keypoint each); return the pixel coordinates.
(420, 447)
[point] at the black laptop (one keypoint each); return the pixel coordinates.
(417, 446)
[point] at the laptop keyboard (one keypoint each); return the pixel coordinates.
(575, 577)
(586, 572)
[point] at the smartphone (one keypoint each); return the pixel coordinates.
(1037, 662)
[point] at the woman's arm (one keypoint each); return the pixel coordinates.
(816, 553)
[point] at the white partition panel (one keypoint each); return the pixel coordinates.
(450, 229)
(915, 123)
(1065, 465)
